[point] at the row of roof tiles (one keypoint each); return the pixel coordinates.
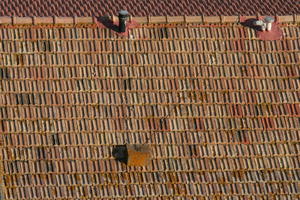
(144, 8)
(147, 19)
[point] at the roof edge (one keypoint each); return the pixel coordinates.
(147, 19)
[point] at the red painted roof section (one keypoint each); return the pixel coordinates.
(143, 8)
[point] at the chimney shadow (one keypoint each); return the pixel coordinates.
(108, 23)
(120, 153)
(250, 24)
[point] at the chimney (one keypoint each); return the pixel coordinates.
(123, 15)
(267, 29)
(138, 154)
(133, 154)
(265, 24)
(269, 20)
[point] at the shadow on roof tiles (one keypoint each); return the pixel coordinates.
(24, 99)
(55, 139)
(193, 149)
(49, 166)
(164, 33)
(4, 73)
(120, 153)
(241, 136)
(46, 46)
(41, 154)
(18, 59)
(108, 23)
(249, 23)
(127, 84)
(2, 126)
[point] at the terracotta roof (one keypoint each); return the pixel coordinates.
(143, 7)
(219, 108)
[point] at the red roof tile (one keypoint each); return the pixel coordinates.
(143, 7)
(219, 108)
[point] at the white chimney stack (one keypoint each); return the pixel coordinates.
(265, 24)
(269, 21)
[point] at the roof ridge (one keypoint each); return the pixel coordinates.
(146, 19)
